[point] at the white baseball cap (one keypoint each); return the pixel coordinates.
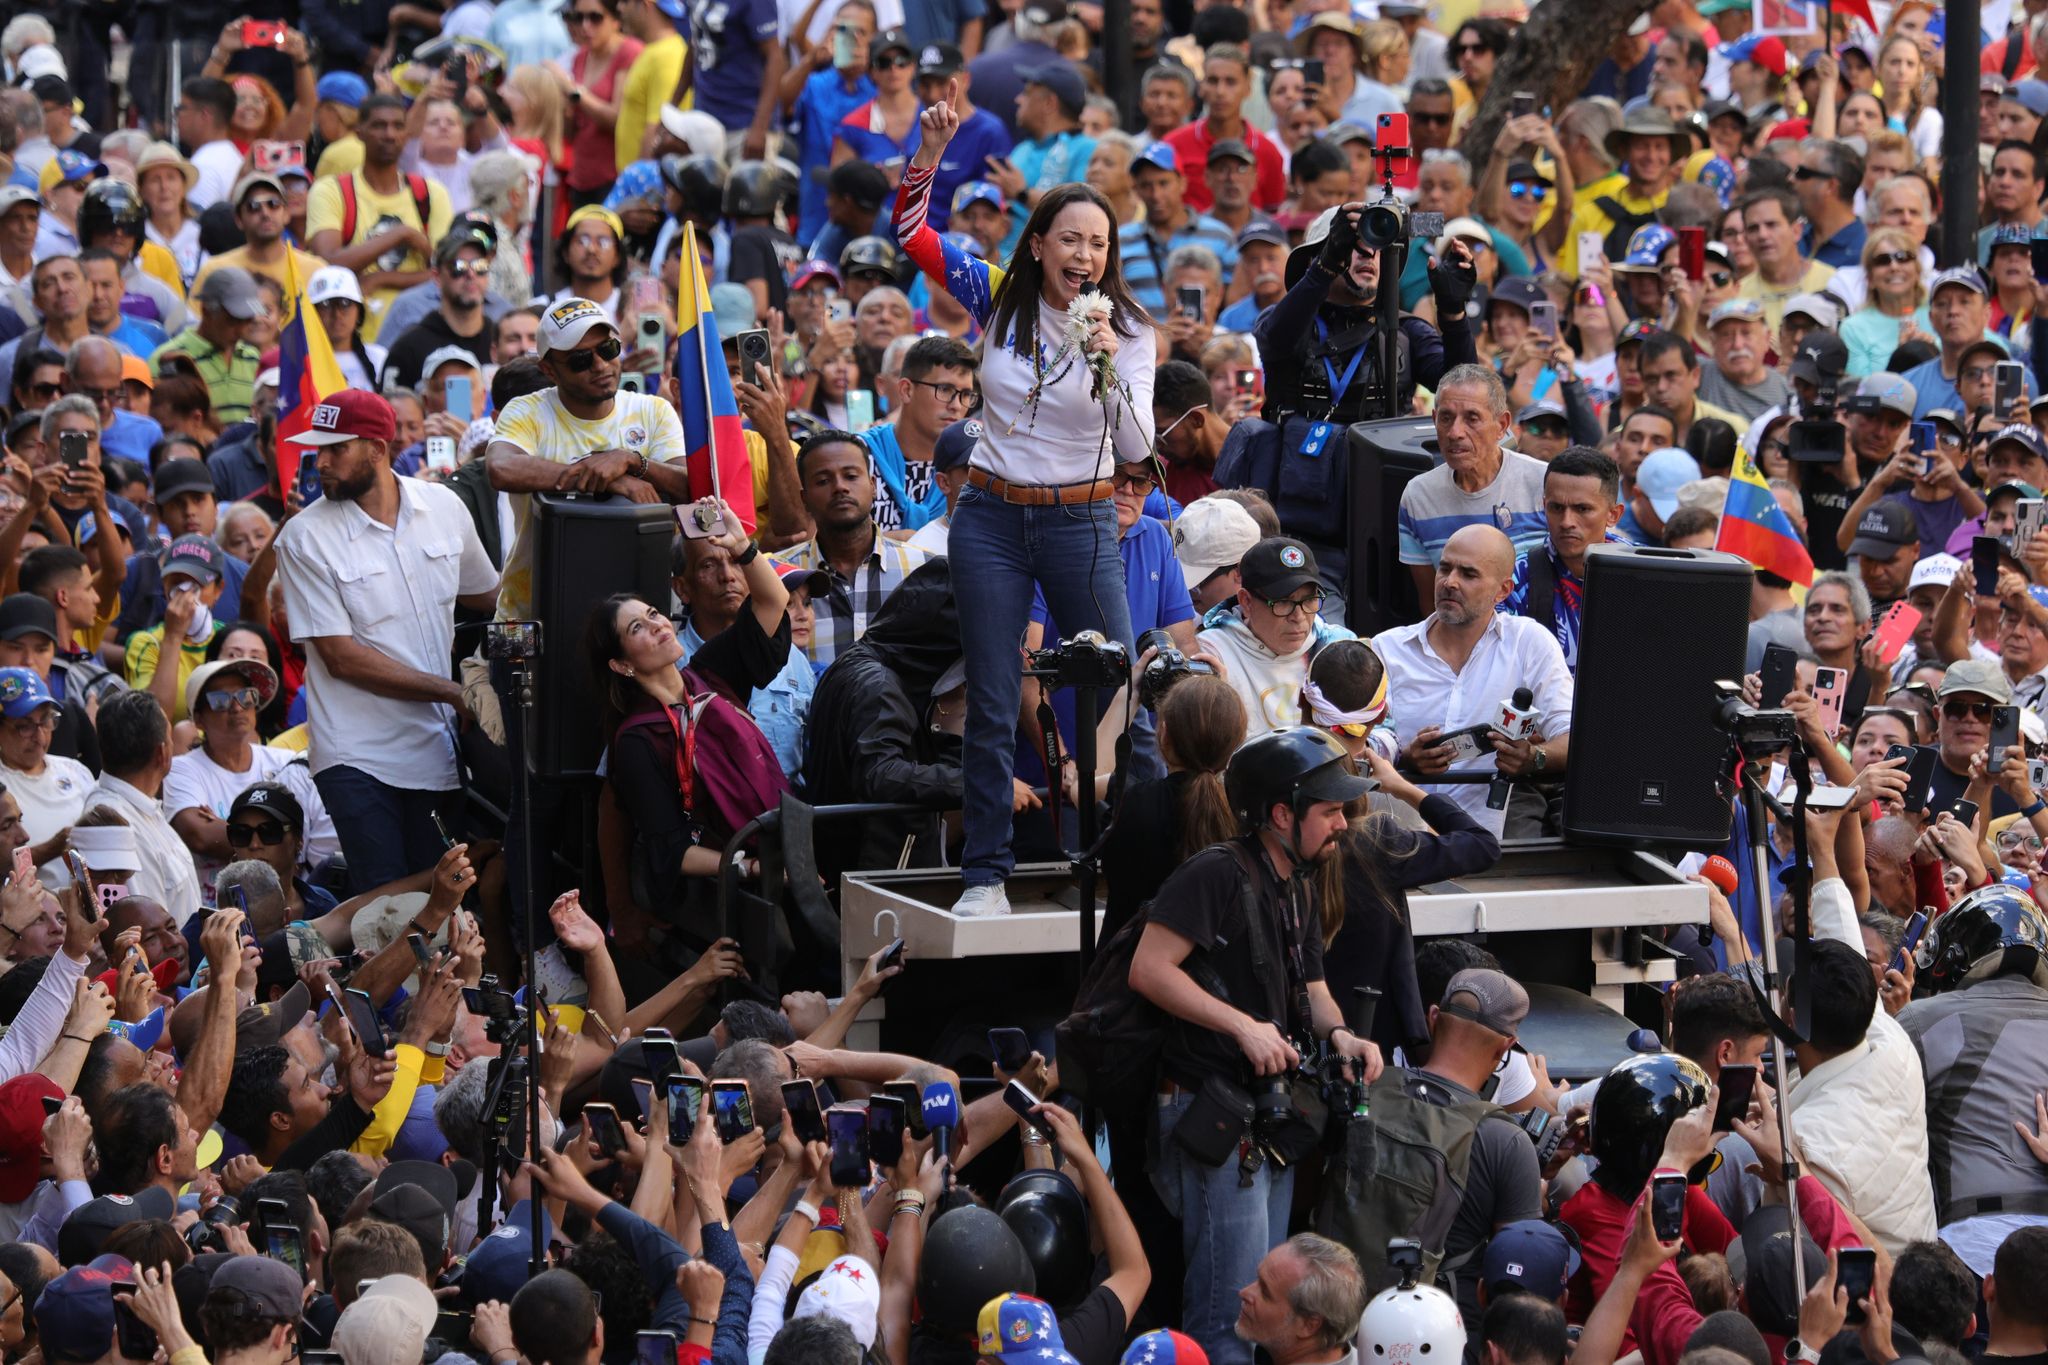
(1934, 571)
(333, 282)
(1211, 534)
(564, 323)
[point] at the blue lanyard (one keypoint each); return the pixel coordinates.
(1338, 386)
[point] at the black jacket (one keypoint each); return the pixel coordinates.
(868, 740)
(1287, 337)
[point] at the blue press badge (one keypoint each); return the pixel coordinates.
(1318, 437)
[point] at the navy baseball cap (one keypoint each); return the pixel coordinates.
(75, 1312)
(955, 446)
(1533, 1255)
(1060, 77)
(500, 1263)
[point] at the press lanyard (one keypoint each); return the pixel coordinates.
(1338, 386)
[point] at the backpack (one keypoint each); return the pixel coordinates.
(1310, 493)
(726, 770)
(416, 183)
(1625, 225)
(1399, 1170)
(1108, 1047)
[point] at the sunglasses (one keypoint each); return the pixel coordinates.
(45, 390)
(1431, 119)
(462, 268)
(1958, 710)
(1463, 48)
(577, 362)
(263, 205)
(1720, 279)
(889, 63)
(584, 16)
(262, 832)
(1892, 258)
(1523, 189)
(244, 697)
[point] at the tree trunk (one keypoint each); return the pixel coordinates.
(1552, 56)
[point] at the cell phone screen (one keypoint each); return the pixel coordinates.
(655, 1348)
(848, 1129)
(1667, 1207)
(913, 1105)
(1908, 941)
(362, 1017)
(133, 1338)
(1856, 1273)
(885, 1129)
(732, 1110)
(685, 1099)
(1022, 1102)
(1738, 1083)
(1984, 564)
(284, 1244)
(1010, 1047)
(605, 1130)
(806, 1115)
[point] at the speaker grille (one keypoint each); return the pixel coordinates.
(1661, 626)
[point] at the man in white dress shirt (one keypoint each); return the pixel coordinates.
(135, 758)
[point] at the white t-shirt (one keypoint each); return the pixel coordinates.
(196, 781)
(51, 800)
(219, 163)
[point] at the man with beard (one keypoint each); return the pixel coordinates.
(1287, 790)
(381, 703)
(1458, 665)
(462, 264)
(1261, 273)
(864, 566)
(1581, 505)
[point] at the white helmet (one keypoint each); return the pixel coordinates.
(1416, 1325)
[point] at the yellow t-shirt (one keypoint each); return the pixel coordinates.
(539, 425)
(156, 261)
(340, 156)
(649, 82)
(374, 213)
(1588, 216)
(1775, 297)
(304, 262)
(144, 651)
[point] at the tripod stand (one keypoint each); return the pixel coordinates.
(513, 648)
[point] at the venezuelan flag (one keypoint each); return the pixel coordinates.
(306, 372)
(1755, 527)
(712, 433)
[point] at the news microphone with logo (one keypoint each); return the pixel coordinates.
(1516, 719)
(941, 1112)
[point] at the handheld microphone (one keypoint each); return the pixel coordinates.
(1090, 287)
(941, 1112)
(1516, 719)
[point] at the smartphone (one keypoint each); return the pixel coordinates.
(460, 398)
(1667, 1207)
(1248, 382)
(52, 1103)
(441, 828)
(1312, 72)
(24, 866)
(806, 1115)
(1738, 1083)
(1965, 813)
(1894, 629)
(2033, 516)
(893, 957)
(1022, 1102)
(605, 1129)
(838, 309)
(273, 1213)
(1543, 317)
(1521, 104)
(2005, 734)
(652, 334)
(1187, 300)
(1831, 692)
(1920, 776)
(420, 952)
(1916, 925)
(685, 1099)
(1010, 1047)
(886, 1122)
(283, 1243)
(320, 1358)
(362, 1017)
(845, 46)
(88, 904)
(732, 1109)
(754, 351)
(72, 447)
(659, 1054)
(847, 1127)
(632, 381)
(2039, 247)
(860, 409)
(913, 1105)
(654, 1348)
(1392, 132)
(2010, 391)
(1780, 676)
(1692, 252)
(701, 519)
(1984, 553)
(1592, 247)
(133, 1338)
(262, 33)
(1856, 1272)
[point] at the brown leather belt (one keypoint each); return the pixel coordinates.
(1039, 494)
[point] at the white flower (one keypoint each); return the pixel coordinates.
(1082, 314)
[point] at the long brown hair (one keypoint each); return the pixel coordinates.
(1201, 724)
(618, 694)
(1016, 301)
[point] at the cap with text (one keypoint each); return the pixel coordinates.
(351, 415)
(565, 323)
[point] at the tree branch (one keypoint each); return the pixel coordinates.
(1553, 56)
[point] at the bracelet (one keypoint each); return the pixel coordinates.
(434, 1049)
(703, 1322)
(2031, 811)
(76, 1039)
(911, 1205)
(806, 1209)
(640, 470)
(753, 553)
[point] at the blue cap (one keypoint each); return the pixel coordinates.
(74, 1314)
(967, 244)
(22, 693)
(1164, 1346)
(1020, 1330)
(1159, 154)
(673, 9)
(1532, 1255)
(955, 446)
(343, 87)
(1060, 77)
(73, 166)
(1649, 242)
(2032, 94)
(2012, 234)
(500, 1263)
(980, 192)
(1662, 474)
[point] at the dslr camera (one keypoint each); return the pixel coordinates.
(1387, 220)
(1087, 660)
(1818, 437)
(1168, 667)
(1749, 727)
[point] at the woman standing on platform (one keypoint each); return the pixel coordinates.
(1066, 382)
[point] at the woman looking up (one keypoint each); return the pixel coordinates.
(1060, 413)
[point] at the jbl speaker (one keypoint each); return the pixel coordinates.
(1660, 627)
(584, 550)
(1384, 456)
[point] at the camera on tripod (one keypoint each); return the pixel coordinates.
(1749, 727)
(1166, 668)
(1087, 660)
(1818, 438)
(501, 1012)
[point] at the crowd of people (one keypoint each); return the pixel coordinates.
(1033, 397)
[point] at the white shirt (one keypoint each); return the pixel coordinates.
(1423, 690)
(888, 15)
(1062, 442)
(51, 800)
(392, 589)
(219, 163)
(932, 536)
(167, 875)
(197, 782)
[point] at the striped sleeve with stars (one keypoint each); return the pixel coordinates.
(971, 282)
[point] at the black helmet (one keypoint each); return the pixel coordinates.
(700, 180)
(1050, 1218)
(970, 1257)
(1636, 1105)
(1291, 766)
(109, 204)
(752, 190)
(870, 253)
(1996, 919)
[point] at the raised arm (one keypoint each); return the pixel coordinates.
(972, 282)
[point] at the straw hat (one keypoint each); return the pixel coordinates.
(164, 154)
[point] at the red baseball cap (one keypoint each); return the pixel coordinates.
(21, 1134)
(352, 414)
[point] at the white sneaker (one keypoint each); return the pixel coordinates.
(981, 902)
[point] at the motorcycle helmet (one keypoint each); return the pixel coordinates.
(1996, 930)
(1418, 1324)
(1050, 1218)
(1638, 1102)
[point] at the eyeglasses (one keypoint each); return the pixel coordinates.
(577, 362)
(1959, 710)
(1140, 482)
(1773, 447)
(42, 720)
(1291, 605)
(1892, 258)
(1523, 189)
(585, 16)
(104, 397)
(264, 205)
(244, 697)
(1720, 279)
(2008, 840)
(1980, 372)
(262, 832)
(1809, 173)
(947, 393)
(461, 268)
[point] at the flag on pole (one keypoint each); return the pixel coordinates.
(306, 370)
(712, 433)
(1855, 9)
(1756, 528)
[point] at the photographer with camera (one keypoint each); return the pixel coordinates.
(1233, 952)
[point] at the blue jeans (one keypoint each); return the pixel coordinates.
(1225, 1232)
(386, 832)
(999, 550)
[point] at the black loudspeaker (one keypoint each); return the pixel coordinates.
(584, 550)
(1384, 456)
(1661, 627)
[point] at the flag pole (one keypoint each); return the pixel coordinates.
(698, 303)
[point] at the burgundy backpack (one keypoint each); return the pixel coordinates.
(726, 770)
